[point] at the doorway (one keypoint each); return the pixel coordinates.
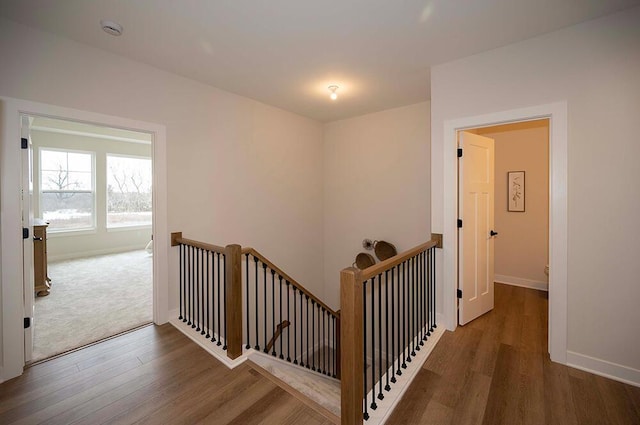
(14, 314)
(92, 208)
(516, 252)
(557, 115)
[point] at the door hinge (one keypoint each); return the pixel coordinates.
(25, 233)
(24, 143)
(27, 322)
(459, 152)
(459, 223)
(459, 293)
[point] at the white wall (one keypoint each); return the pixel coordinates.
(595, 68)
(376, 186)
(522, 245)
(238, 171)
(66, 245)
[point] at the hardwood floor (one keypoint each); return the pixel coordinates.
(154, 375)
(493, 371)
(496, 370)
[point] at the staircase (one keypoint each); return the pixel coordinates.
(351, 365)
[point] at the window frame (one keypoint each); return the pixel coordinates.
(94, 213)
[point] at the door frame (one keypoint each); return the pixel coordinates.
(11, 279)
(557, 115)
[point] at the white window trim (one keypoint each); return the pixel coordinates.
(94, 218)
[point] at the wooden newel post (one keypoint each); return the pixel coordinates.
(233, 264)
(352, 346)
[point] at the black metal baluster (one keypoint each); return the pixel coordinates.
(307, 299)
(213, 296)
(426, 294)
(255, 261)
(313, 332)
(424, 297)
(295, 325)
(386, 326)
(409, 311)
(393, 327)
(335, 347)
(264, 287)
(380, 395)
(289, 320)
(433, 267)
(190, 286)
(281, 335)
(273, 308)
(181, 281)
(429, 295)
(246, 294)
(420, 297)
(198, 290)
(219, 284)
(202, 252)
(364, 335)
(374, 406)
(413, 307)
(208, 298)
(405, 317)
(224, 299)
(321, 330)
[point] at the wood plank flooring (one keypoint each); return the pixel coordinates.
(154, 375)
(493, 371)
(496, 370)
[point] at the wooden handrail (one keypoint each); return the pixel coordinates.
(177, 239)
(291, 280)
(276, 334)
(382, 266)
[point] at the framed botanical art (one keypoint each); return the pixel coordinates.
(515, 191)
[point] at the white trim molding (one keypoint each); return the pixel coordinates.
(522, 282)
(557, 115)
(604, 368)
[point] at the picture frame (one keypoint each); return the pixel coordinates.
(516, 192)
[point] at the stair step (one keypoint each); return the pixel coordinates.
(319, 390)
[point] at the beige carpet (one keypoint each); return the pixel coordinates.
(92, 299)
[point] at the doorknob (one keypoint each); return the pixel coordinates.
(493, 233)
(37, 239)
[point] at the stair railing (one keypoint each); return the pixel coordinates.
(304, 330)
(274, 313)
(387, 314)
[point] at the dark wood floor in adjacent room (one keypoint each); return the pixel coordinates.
(496, 370)
(154, 375)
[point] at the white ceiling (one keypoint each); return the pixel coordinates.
(286, 52)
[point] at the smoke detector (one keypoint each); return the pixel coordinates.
(111, 28)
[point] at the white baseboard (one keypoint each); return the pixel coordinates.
(604, 368)
(94, 253)
(206, 344)
(519, 281)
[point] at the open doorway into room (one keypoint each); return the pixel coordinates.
(93, 254)
(504, 229)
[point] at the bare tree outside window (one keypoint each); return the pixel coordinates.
(129, 182)
(66, 185)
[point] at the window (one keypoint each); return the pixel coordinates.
(67, 197)
(128, 191)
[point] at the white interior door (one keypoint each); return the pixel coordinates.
(27, 223)
(476, 236)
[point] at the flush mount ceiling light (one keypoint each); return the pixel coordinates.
(111, 28)
(333, 94)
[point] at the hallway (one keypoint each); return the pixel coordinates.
(496, 370)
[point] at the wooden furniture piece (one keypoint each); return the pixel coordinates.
(41, 279)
